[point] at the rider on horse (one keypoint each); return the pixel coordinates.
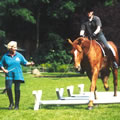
(93, 30)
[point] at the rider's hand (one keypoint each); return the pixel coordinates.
(93, 36)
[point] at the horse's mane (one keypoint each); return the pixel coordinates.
(84, 41)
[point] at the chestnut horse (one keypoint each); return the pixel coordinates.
(88, 53)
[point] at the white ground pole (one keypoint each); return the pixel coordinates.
(102, 98)
(38, 95)
(59, 92)
(81, 87)
(39, 102)
(70, 90)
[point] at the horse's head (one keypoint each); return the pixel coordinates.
(77, 51)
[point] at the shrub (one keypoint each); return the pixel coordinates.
(62, 68)
(56, 67)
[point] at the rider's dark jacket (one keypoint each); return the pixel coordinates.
(90, 26)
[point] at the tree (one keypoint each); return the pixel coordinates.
(33, 22)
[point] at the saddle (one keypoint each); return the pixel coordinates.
(102, 48)
(105, 51)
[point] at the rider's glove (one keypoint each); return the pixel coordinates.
(93, 35)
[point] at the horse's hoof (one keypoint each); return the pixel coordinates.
(107, 89)
(96, 105)
(90, 107)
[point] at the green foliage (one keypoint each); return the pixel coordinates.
(2, 5)
(6, 3)
(56, 21)
(2, 34)
(26, 69)
(60, 56)
(2, 8)
(56, 52)
(56, 67)
(12, 2)
(45, 1)
(63, 68)
(70, 5)
(24, 13)
(62, 10)
(53, 51)
(55, 41)
(15, 9)
(109, 2)
(47, 67)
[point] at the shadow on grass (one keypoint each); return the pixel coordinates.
(77, 107)
(3, 91)
(61, 107)
(63, 75)
(3, 108)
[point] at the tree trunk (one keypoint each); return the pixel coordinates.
(37, 29)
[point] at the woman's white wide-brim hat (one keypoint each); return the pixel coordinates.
(11, 44)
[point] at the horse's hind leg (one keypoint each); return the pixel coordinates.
(115, 79)
(104, 76)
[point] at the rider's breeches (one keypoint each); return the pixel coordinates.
(102, 39)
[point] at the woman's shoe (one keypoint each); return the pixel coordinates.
(11, 106)
(16, 107)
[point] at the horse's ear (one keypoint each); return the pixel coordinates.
(70, 41)
(81, 40)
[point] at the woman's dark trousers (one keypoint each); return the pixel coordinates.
(9, 93)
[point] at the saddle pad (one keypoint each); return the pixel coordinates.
(103, 51)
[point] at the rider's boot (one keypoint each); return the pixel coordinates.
(115, 65)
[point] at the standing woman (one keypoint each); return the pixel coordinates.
(11, 65)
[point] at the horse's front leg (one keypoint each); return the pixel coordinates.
(92, 88)
(95, 94)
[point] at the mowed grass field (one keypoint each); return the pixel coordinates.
(48, 85)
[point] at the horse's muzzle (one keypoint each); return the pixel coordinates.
(78, 68)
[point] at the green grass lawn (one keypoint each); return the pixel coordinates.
(48, 85)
